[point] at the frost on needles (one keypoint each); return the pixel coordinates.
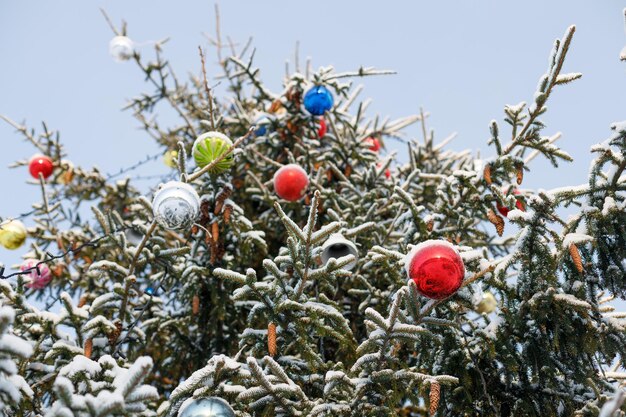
(139, 320)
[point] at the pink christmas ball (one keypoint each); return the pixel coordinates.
(38, 280)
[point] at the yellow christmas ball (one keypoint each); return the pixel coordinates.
(12, 234)
(170, 158)
(487, 305)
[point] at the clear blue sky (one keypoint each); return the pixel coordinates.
(460, 60)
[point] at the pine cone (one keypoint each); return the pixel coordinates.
(58, 269)
(520, 174)
(82, 301)
(238, 183)
(271, 338)
(276, 106)
(434, 396)
(213, 257)
(68, 175)
(204, 208)
(487, 174)
(292, 127)
(228, 209)
(88, 348)
(115, 333)
(575, 254)
(60, 243)
(195, 305)
(396, 348)
(75, 250)
(215, 231)
(221, 197)
(497, 221)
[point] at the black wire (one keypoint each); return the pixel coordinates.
(49, 257)
(108, 177)
(144, 161)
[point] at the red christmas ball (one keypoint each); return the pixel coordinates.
(387, 171)
(505, 210)
(374, 143)
(321, 131)
(40, 164)
(436, 268)
(290, 182)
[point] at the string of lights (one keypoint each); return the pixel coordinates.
(108, 177)
(49, 257)
(93, 243)
(144, 161)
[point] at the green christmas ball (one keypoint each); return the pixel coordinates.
(210, 146)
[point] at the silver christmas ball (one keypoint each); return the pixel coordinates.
(121, 48)
(176, 205)
(207, 407)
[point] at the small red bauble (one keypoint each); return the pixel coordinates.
(321, 131)
(505, 210)
(387, 171)
(374, 143)
(291, 182)
(40, 164)
(436, 268)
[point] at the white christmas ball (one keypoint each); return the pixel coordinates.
(207, 407)
(121, 48)
(176, 205)
(487, 304)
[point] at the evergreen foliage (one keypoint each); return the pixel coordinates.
(241, 307)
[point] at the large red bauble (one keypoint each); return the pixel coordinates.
(374, 143)
(505, 210)
(321, 131)
(436, 268)
(290, 182)
(40, 164)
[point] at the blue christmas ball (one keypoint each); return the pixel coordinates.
(261, 130)
(261, 124)
(318, 100)
(150, 291)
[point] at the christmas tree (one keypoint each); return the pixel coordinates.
(290, 265)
